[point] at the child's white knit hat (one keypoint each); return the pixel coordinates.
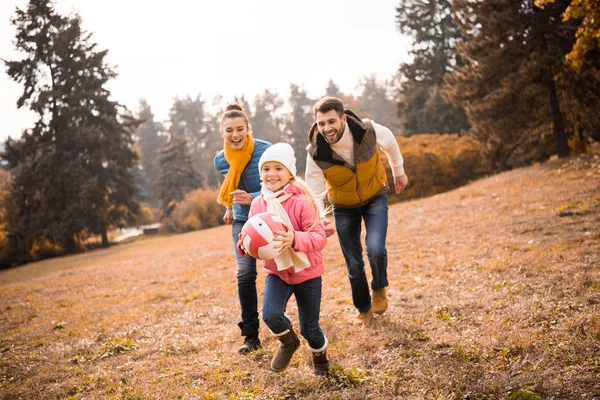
(282, 153)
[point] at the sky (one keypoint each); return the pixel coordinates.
(168, 49)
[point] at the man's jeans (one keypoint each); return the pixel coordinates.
(308, 297)
(246, 280)
(348, 226)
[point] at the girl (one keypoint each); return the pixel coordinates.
(298, 268)
(238, 162)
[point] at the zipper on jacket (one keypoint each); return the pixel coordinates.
(357, 191)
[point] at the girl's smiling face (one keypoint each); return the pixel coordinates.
(275, 175)
(235, 131)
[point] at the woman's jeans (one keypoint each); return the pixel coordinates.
(348, 226)
(246, 280)
(308, 297)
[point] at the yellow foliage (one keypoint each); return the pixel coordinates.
(198, 210)
(146, 216)
(43, 249)
(437, 163)
(588, 32)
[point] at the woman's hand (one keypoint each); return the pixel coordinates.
(228, 217)
(241, 197)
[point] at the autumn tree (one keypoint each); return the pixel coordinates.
(74, 168)
(587, 13)
(514, 54)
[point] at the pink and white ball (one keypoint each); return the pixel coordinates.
(258, 235)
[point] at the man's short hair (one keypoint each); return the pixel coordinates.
(327, 104)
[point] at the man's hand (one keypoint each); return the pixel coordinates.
(228, 217)
(241, 197)
(329, 227)
(400, 183)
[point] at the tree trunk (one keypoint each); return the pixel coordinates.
(562, 143)
(105, 242)
(70, 245)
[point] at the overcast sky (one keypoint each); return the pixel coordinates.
(237, 47)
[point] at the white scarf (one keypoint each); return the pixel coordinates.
(288, 257)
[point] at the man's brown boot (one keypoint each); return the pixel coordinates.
(363, 318)
(380, 302)
(287, 348)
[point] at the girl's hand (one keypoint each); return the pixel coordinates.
(286, 238)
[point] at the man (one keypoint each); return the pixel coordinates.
(343, 159)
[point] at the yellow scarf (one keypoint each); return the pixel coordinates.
(237, 160)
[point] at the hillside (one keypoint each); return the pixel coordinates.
(494, 294)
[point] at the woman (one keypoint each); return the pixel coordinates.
(238, 162)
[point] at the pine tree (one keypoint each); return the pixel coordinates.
(333, 90)
(74, 168)
(177, 174)
(422, 109)
(149, 142)
(267, 121)
(376, 103)
(514, 53)
(298, 124)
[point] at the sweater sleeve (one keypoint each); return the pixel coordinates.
(315, 179)
(389, 145)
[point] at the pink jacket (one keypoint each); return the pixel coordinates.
(311, 243)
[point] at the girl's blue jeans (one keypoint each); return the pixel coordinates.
(308, 297)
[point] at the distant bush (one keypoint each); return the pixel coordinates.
(147, 215)
(199, 210)
(437, 163)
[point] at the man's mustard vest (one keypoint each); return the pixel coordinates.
(350, 186)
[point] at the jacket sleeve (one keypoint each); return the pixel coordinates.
(315, 179)
(306, 240)
(389, 145)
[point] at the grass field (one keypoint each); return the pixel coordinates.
(494, 294)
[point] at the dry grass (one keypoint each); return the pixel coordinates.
(494, 290)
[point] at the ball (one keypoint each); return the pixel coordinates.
(258, 235)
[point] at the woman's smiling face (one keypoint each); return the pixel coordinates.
(235, 131)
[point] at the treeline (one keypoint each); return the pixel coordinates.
(520, 77)
(491, 85)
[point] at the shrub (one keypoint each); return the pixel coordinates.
(437, 163)
(198, 210)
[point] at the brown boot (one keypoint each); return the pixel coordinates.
(363, 318)
(287, 348)
(320, 363)
(380, 302)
